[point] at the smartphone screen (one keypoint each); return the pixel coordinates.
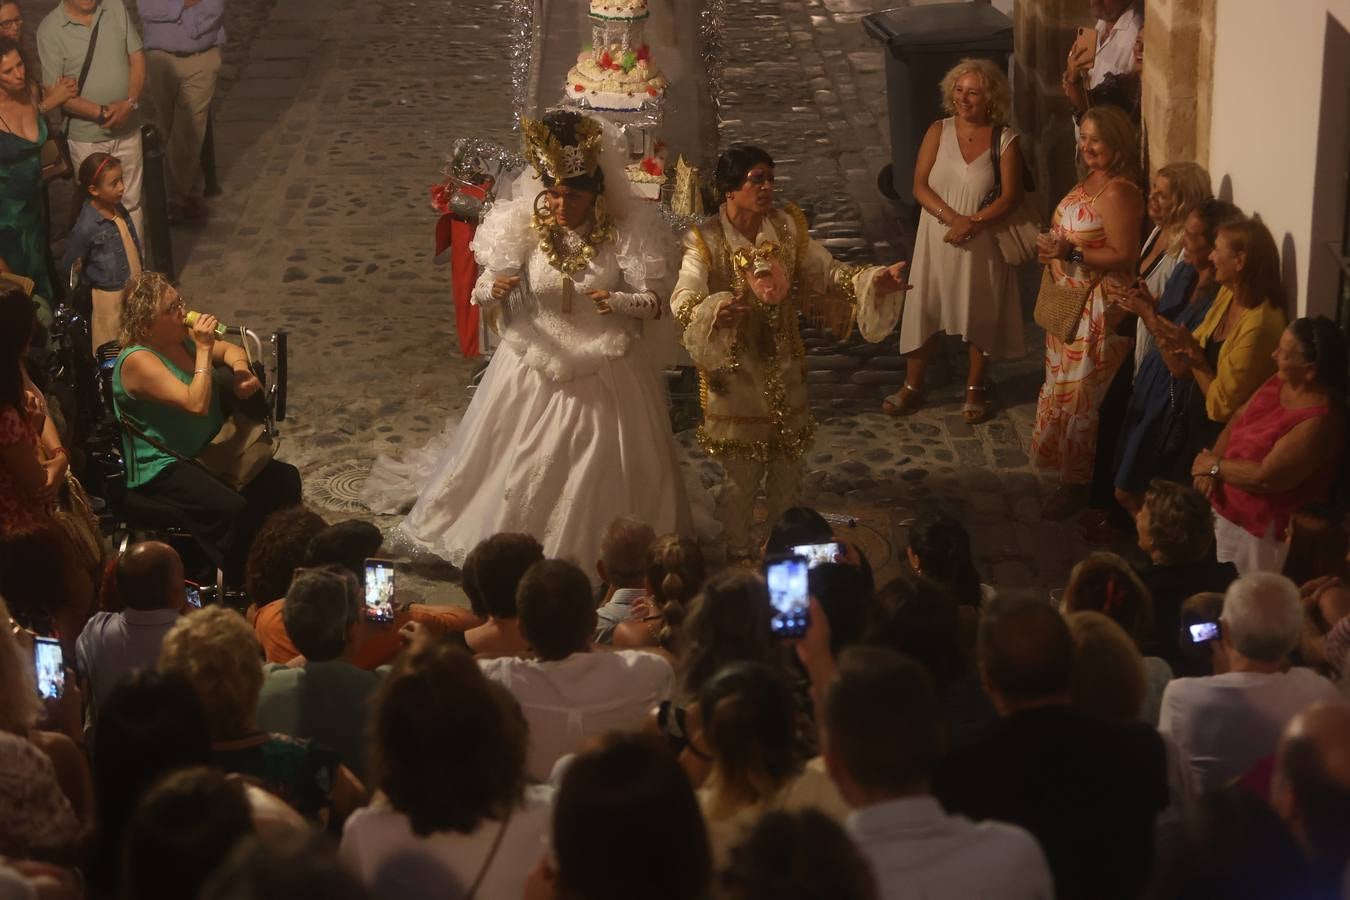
(379, 590)
(194, 594)
(50, 666)
(1203, 632)
(788, 595)
(816, 554)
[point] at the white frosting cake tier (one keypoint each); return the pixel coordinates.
(619, 9)
(600, 81)
(644, 183)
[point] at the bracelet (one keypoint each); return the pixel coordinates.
(60, 450)
(1075, 256)
(200, 371)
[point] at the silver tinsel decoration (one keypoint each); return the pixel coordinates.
(521, 35)
(473, 156)
(711, 20)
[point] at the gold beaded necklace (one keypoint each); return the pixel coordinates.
(570, 257)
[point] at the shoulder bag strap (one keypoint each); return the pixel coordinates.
(994, 151)
(132, 427)
(487, 863)
(88, 62)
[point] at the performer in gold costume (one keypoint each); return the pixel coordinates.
(746, 274)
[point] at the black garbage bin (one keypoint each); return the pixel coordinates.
(923, 43)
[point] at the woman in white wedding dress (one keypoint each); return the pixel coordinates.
(568, 429)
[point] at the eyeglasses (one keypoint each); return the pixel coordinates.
(6, 24)
(758, 178)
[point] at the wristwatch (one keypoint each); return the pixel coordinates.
(102, 114)
(1075, 256)
(135, 104)
(1214, 469)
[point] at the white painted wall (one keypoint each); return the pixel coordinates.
(1266, 131)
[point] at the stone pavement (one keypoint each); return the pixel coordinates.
(333, 123)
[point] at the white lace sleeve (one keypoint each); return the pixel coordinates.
(708, 343)
(645, 246)
(503, 241)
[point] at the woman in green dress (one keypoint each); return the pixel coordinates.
(23, 131)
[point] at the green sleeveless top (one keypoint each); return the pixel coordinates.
(180, 431)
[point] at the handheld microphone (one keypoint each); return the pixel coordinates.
(221, 328)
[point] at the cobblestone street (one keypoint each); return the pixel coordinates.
(332, 122)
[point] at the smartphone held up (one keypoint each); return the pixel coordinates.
(789, 594)
(49, 666)
(379, 599)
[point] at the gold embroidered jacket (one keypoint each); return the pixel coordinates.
(753, 376)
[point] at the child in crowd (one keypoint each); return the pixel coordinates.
(105, 243)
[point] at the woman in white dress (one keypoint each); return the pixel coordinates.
(568, 429)
(959, 282)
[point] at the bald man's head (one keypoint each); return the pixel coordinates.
(1026, 655)
(1312, 780)
(150, 576)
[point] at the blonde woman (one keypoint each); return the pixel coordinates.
(166, 398)
(1093, 241)
(1176, 191)
(964, 287)
(218, 654)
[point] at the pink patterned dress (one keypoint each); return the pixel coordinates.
(1078, 373)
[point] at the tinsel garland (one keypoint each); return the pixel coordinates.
(521, 40)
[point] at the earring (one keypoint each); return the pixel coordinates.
(541, 209)
(598, 211)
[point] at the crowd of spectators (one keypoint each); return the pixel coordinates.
(923, 739)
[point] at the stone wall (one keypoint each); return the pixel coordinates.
(1043, 31)
(1178, 79)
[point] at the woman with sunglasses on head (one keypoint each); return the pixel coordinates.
(1284, 448)
(166, 398)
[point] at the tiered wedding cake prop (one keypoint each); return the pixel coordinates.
(616, 72)
(617, 78)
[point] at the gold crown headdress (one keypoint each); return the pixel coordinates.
(556, 161)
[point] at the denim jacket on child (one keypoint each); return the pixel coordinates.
(96, 241)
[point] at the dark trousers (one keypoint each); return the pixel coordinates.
(222, 520)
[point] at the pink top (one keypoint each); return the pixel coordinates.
(1254, 434)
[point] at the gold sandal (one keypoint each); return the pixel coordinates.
(976, 412)
(903, 402)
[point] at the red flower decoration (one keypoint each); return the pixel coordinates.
(606, 61)
(652, 167)
(579, 88)
(651, 91)
(644, 53)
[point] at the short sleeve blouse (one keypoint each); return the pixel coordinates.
(19, 514)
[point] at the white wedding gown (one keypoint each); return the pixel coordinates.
(568, 429)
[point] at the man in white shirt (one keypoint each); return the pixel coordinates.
(569, 693)
(622, 567)
(882, 732)
(1224, 724)
(112, 644)
(1119, 24)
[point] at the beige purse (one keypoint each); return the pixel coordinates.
(1060, 307)
(1016, 234)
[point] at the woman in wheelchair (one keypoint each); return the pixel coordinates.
(170, 409)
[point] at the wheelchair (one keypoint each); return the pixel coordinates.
(87, 376)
